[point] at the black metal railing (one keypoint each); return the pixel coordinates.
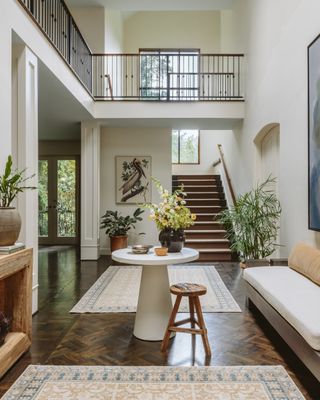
(180, 75)
(56, 22)
(167, 77)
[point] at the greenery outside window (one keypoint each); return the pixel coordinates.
(186, 146)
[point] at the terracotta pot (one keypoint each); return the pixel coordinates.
(118, 242)
(10, 225)
(172, 239)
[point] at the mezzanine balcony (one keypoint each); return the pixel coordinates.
(153, 75)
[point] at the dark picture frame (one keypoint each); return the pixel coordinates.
(133, 179)
(314, 135)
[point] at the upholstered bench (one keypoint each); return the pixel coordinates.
(289, 298)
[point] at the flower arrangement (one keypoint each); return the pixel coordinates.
(172, 212)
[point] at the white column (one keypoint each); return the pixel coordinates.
(90, 191)
(5, 94)
(27, 153)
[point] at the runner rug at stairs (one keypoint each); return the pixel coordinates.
(117, 290)
(165, 383)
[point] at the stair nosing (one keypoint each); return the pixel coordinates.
(214, 250)
(207, 240)
(205, 231)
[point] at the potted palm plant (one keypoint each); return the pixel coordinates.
(12, 182)
(117, 227)
(252, 224)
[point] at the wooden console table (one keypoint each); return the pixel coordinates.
(16, 303)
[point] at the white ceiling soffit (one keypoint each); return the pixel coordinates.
(155, 5)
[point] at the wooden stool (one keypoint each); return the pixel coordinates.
(192, 291)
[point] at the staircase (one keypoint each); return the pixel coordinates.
(205, 198)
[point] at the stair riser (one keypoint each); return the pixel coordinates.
(192, 235)
(190, 189)
(214, 196)
(206, 202)
(196, 183)
(205, 245)
(209, 225)
(202, 210)
(204, 218)
(214, 257)
(177, 177)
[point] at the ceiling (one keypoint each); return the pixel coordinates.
(155, 5)
(59, 111)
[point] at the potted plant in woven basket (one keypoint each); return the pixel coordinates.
(172, 217)
(12, 182)
(117, 227)
(252, 224)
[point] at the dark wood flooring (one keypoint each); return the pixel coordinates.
(106, 339)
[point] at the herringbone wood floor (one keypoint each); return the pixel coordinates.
(106, 339)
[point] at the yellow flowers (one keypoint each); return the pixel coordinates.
(171, 212)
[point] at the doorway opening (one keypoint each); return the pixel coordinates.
(59, 200)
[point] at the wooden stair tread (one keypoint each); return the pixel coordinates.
(206, 231)
(214, 250)
(205, 197)
(207, 240)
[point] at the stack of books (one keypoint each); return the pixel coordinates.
(11, 249)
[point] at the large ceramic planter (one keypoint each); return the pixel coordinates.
(118, 242)
(10, 225)
(173, 239)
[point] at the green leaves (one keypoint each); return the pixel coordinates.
(252, 224)
(12, 182)
(118, 225)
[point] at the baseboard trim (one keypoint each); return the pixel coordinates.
(90, 252)
(105, 251)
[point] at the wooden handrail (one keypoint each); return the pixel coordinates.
(226, 173)
(110, 86)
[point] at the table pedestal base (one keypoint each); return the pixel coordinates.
(154, 304)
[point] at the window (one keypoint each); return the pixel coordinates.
(186, 146)
(169, 74)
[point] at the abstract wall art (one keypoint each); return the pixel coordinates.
(314, 134)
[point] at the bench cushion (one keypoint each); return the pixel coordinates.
(306, 260)
(295, 297)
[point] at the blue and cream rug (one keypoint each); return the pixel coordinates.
(117, 290)
(154, 383)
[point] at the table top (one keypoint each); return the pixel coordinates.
(126, 256)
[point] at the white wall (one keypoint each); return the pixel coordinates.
(138, 141)
(209, 154)
(278, 34)
(91, 22)
(173, 29)
(113, 31)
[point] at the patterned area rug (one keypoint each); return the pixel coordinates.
(117, 290)
(154, 383)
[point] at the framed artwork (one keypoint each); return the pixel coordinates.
(133, 179)
(314, 134)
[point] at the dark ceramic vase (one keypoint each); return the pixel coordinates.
(173, 239)
(4, 327)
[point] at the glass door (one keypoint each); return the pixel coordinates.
(58, 200)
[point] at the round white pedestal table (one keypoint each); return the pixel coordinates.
(154, 304)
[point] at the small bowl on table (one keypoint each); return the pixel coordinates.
(161, 251)
(141, 248)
